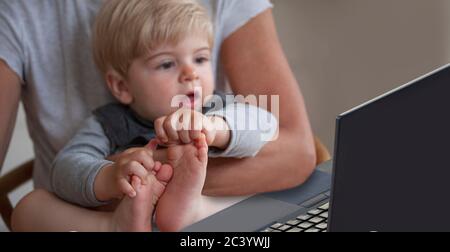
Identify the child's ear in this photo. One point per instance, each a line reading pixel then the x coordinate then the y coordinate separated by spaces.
pixel 118 87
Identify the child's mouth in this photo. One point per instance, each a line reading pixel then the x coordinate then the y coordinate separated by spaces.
pixel 193 99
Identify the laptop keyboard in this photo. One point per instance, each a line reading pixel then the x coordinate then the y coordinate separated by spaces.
pixel 315 220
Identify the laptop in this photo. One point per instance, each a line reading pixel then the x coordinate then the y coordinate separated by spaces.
pixel 390 172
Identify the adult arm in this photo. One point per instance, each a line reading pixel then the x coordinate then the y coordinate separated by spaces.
pixel 255 65
pixel 10 90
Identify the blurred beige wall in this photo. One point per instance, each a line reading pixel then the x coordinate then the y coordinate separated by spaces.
pixel 344 52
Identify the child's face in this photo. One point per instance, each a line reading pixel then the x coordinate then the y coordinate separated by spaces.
pixel 170 70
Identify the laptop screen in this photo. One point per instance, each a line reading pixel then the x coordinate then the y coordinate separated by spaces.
pixel 391 164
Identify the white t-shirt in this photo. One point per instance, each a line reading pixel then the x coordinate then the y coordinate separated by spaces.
pixel 47 43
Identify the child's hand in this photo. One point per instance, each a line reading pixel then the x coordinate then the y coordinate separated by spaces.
pixel 134 162
pixel 184 126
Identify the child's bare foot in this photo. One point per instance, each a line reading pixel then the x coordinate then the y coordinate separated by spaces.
pixel 135 214
pixel 180 203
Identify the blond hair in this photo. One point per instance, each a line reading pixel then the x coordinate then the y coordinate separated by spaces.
pixel 127 29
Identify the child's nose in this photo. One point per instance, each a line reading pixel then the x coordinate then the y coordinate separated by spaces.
pixel 188 75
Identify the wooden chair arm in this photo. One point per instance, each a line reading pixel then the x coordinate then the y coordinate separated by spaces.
pixel 322 153
pixel 8 183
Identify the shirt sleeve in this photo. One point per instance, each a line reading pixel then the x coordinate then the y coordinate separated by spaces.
pixel 78 163
pixel 11 43
pixel 251 128
pixel 233 14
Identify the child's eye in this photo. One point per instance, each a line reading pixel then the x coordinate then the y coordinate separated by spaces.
pixel 166 65
pixel 201 60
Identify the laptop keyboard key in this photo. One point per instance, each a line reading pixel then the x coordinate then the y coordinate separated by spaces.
pixel 284 227
pixel 305 225
pixel 293 222
pixel 325 206
pixel 304 217
pixel 295 229
pixel 322 225
pixel 315 212
pixel 316 220
pixel 276 225
pixel 312 230
pixel 324 215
